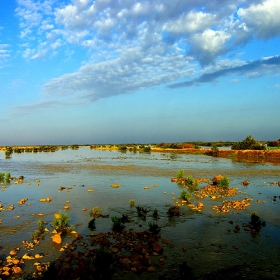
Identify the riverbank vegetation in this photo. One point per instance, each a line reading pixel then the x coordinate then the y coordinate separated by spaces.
pixel 249 148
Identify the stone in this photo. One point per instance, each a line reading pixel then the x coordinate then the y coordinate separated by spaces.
pixel 57 238
pixel 13 253
pixel 17 270
pixel 151 269
pixel 157 248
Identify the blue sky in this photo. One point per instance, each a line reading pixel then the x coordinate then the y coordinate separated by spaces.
pixel 127 71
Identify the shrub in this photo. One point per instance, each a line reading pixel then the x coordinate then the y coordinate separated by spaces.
pixel 249 143
pixel 147 149
pixel 214 150
pixel 60 222
pixel 38 233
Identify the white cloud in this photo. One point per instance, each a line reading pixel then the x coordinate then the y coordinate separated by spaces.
pixel 190 22
pixel 262 20
pixel 208 45
pixel 135 44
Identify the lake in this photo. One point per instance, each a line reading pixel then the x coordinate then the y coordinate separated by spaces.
pixel 208 238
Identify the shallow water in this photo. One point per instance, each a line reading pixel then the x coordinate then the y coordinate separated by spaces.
pixel 206 235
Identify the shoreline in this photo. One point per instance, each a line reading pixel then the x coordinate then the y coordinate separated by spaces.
pixel 270 156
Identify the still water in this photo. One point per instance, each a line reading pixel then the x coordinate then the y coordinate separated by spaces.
pixel 209 237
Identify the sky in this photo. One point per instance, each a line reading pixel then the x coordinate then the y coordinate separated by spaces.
pixel 131 71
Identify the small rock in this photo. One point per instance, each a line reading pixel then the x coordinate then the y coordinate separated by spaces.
pixel 57 238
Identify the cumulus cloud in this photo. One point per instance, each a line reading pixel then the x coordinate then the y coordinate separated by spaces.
pixel 136 44
pixel 119 76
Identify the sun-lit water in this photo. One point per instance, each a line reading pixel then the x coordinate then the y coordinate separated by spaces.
pixel 208 236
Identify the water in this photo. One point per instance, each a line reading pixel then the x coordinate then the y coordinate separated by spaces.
pixel 209 237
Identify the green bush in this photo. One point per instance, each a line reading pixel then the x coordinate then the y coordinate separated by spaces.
pixel 249 143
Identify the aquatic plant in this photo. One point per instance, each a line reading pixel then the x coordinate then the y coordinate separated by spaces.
pixel 141 212
pixel 223 182
pixel 131 202
pixel 38 233
pixel 95 211
pixel 173 211
pixel 191 183
pixel 186 195
pixel 8 152
pixel 180 174
pixel 124 218
pixel 118 224
pixel 214 150
pixel 155 214
pixel 60 222
pixel 7 176
pixel 91 224
pixel 154 228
